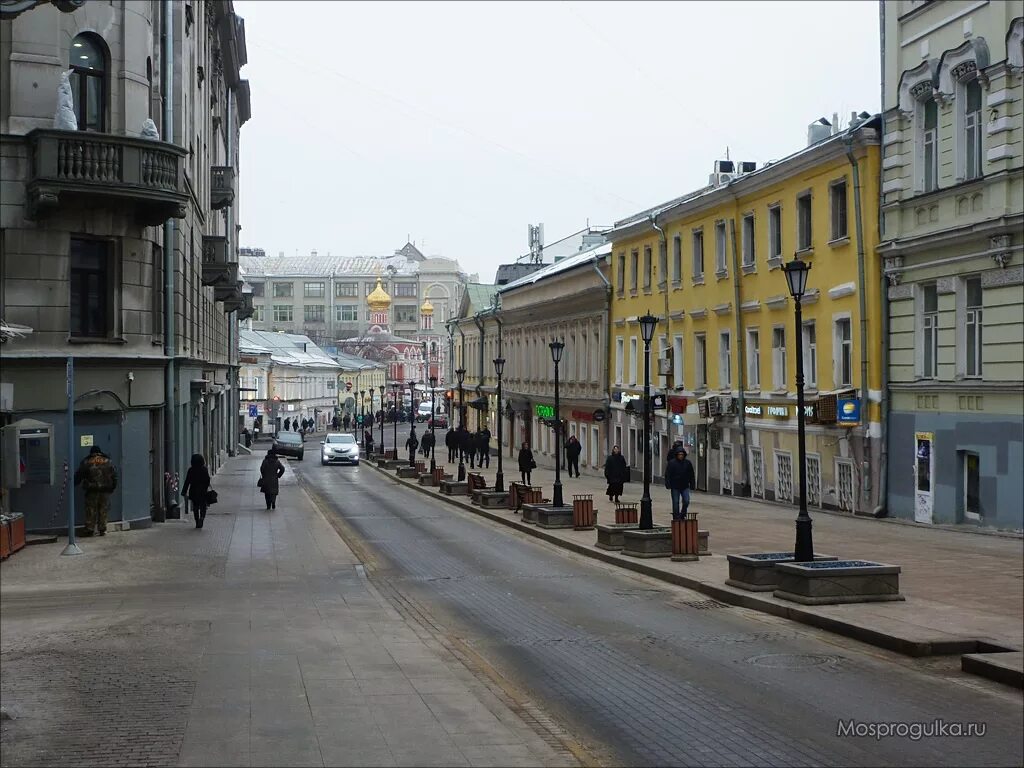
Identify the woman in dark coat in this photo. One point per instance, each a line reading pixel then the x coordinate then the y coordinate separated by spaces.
pixel 616 472
pixel 270 470
pixel 197 483
pixel 526 463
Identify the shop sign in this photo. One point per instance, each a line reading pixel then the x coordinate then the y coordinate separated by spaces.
pixel 753 410
pixel 582 416
pixel 657 401
pixel 599 415
pixel 677 404
pixel 544 411
pixel 848 411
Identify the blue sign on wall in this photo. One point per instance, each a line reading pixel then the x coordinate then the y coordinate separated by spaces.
pixel 848 410
pixel 253 411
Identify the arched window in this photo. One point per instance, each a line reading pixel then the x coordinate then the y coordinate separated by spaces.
pixel 89 82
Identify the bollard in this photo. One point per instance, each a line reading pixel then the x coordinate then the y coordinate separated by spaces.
pixel 684 538
pixel 583 511
pixel 513 496
pixel 438 475
pixel 627 513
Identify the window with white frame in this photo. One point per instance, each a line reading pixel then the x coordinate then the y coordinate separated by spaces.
pixel 810 339
pixel 258 313
pixel 803 222
pixel 313 290
pixel 283 313
pixel 972 130
pixel 837 209
pixel 748 240
pixel 663 352
pixel 677 259
pixel 721 259
pixel 619 347
pixel 779 379
pixel 700 361
pixel 974 325
pixel 698 254
pixel 346 313
pixel 724 359
pixel 632 359
pixel 775 232
pixel 843 351
pixel 677 362
pixel 662 264
pixel 930 145
pixel 753 358
pixel 634 270
pixel 620 277
pixel 648 266
pixel 928 333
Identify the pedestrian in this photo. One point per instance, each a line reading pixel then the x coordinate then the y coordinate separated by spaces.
pixel 346 421
pixel 451 441
pixel 466 447
pixel 334 423
pixel 680 479
pixel 368 439
pixel 427 444
pixel 98 475
pixel 411 445
pixel 572 455
pixel 287 424
pixel 270 470
pixel 616 472
pixel 526 463
pixel 246 437
pixel 197 483
pixel 483 447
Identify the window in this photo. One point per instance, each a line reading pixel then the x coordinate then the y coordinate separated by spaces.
pixel 677 259
pixel 774 232
pixel 698 254
pixel 748 240
pixel 803 222
pixel 721 259
pixel 406 313
pixel 619 346
pixel 810 355
pixel 620 281
pixel 632 360
pixel 647 268
pixel 972 485
pixel 700 360
pixel 972 129
pixel 346 313
pixel 258 290
pixel 282 313
pixel 89 82
pixel 662 264
pixel 90 289
pixel 779 358
pixel 843 353
pixel 257 313
pixel 724 360
pixel 929 143
pixel 634 266
pixel 929 339
pixel 753 358
pixel 282 290
pixel 677 362
pixel 346 290
pixel 974 326
pixel 837 206
pixel 406 290
pixel 313 290
pixel 313 313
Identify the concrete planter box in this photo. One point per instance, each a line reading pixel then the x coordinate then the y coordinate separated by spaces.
pixel 656 542
pixel 838 581
pixel 408 471
pixel 427 479
pixel 612 535
pixel 530 513
pixel 554 517
pixel 755 571
pixel 453 488
pixel 490 499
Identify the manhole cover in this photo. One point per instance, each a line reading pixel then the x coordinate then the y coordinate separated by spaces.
pixel 793 660
pixel 701 605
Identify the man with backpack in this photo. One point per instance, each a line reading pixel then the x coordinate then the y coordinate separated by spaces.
pixel 99 477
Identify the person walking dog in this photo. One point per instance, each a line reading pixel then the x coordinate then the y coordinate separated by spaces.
pixel 270 471
pixel 196 486
pixel 616 472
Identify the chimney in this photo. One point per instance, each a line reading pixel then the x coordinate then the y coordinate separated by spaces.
pixel 819 130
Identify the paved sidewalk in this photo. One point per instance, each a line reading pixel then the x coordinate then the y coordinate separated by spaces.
pixel 255 641
pixel 958 584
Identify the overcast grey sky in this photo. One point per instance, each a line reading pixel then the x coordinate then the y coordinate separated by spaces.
pixel 459 123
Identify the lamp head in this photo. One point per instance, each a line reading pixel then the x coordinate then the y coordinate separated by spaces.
pixel 556 351
pixel 499 366
pixel 647 323
pixel 460 375
pixel 433 382
pixel 796 277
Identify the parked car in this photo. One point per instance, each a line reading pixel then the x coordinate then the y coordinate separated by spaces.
pixel 440 421
pixel 339 446
pixel 423 411
pixel 289 444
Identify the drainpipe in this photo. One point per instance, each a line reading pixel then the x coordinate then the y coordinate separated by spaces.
pixel 862 306
pixel 741 384
pixel 882 510
pixel 607 367
pixel 480 381
pixel 170 373
pixel 499 411
pixel 668 317
pixel 233 400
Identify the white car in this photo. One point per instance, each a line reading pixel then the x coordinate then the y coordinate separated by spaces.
pixel 339 446
pixel 423 411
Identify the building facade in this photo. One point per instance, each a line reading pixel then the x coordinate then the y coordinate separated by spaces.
pixel 117 238
pixel 952 201
pixel 709 265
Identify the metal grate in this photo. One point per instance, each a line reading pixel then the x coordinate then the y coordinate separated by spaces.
pixel 702 605
pixel 757 472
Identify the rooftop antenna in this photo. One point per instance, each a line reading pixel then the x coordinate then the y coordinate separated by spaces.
pixel 727 153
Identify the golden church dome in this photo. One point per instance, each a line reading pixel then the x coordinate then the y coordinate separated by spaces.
pixel 378 300
pixel 427 308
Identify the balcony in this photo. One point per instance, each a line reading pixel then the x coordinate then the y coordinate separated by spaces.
pixel 231 294
pixel 222 186
pixel 245 311
pixel 219 269
pixel 97 169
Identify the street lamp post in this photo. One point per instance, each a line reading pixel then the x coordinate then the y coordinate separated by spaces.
pixel 556 496
pixel 382 388
pixel 499 479
pixel 362 417
pixel 796 277
pixel 647 323
pixel 412 402
pixel 395 386
pixel 433 418
pixel 460 375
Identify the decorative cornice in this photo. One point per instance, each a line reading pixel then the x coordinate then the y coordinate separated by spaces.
pixel 750 306
pixel 722 309
pixel 699 314
pixel 10 9
pixel 900 292
pixel 1001 245
pixel 776 302
pixel 844 289
pixel 1007 276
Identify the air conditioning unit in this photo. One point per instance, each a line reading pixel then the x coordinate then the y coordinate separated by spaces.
pixel 665 366
pixel 826 409
pixel 715 406
pixel 746 166
pixel 727 405
pixel 702 408
pixel 725 166
pixel 718 179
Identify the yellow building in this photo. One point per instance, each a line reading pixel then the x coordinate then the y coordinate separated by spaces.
pixel 709 264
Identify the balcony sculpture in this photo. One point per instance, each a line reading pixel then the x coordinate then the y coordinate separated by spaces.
pixel 219 269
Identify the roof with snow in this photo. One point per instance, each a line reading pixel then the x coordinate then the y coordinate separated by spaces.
pixel 562 265
pixel 285 349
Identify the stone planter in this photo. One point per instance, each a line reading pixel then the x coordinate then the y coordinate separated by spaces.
pixel 17 526
pixel 530 513
pixel 490 499
pixel 656 542
pixel 408 472
pixel 453 488
pixel 554 517
pixel 612 536
pixel 838 581
pixel 755 571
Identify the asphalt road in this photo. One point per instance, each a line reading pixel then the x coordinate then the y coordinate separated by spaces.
pixel 644 673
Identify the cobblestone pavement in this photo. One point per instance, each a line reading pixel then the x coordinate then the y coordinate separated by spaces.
pixel 255 641
pixel 646 673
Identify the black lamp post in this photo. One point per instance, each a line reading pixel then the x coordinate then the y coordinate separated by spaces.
pixel 556 496
pixel 433 418
pixel 796 276
pixel 362 417
pixel 395 386
pixel 647 324
pixel 499 479
pixel 412 402
pixel 382 388
pixel 460 376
